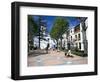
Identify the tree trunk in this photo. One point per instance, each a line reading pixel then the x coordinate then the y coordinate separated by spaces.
pixel 61 44
pixel 57 44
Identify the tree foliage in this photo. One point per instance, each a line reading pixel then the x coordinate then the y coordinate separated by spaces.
pixel 60 26
pixel 32 26
pixel 32 31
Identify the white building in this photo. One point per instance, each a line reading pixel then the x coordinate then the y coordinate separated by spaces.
pixel 43 42
pixel 75 37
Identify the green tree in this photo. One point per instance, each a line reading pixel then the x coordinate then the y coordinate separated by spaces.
pixel 60 26
pixel 32 26
pixel 32 30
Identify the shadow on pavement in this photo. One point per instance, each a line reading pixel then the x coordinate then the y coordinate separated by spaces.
pixel 38 52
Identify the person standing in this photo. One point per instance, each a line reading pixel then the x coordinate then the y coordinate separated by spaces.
pixel 48 45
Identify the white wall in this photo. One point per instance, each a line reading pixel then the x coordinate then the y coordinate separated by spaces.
pixel 5 40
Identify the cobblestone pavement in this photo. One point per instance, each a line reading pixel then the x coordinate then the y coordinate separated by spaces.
pixel 55 58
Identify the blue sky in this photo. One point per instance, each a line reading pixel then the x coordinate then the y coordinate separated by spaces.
pixel 50 20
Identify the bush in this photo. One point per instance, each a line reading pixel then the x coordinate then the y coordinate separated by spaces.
pixel 79 53
pixel 76 49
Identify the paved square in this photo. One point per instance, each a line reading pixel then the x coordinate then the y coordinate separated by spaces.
pixel 54 58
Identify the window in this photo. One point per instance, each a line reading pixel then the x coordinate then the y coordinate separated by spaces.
pixel 71 38
pixel 79 45
pixel 78 36
pixel 75 37
pixel 71 31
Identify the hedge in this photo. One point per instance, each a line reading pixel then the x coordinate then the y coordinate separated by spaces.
pixel 79 53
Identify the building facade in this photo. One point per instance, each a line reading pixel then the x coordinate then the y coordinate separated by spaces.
pixel 76 37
